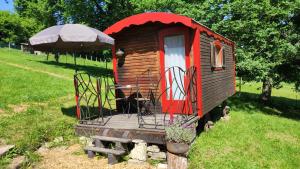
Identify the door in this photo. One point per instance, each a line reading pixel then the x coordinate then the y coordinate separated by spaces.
pixel 174 61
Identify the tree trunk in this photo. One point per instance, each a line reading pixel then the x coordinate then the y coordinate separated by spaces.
pixel 176 161
pixel 266 90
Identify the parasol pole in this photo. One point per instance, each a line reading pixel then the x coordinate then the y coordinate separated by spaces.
pixel 106 68
pixel 75 62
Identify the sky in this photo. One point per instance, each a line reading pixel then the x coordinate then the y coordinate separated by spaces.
pixel 7 6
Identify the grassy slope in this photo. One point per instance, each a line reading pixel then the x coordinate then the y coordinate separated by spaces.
pixel 18 85
pixel 65 67
pixel 255 137
pixel 47 99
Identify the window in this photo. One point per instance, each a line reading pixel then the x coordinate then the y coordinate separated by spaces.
pixel 174 57
pixel 217 55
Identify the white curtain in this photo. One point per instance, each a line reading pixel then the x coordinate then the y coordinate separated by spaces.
pixel 175 56
pixel 218 57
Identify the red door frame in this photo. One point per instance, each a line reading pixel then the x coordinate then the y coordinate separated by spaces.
pixel 197 63
pixel 166 104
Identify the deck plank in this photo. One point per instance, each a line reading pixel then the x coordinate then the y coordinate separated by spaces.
pixel 104 150
pixel 130 121
pixel 112 139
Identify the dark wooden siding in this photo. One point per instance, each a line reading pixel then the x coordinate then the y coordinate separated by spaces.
pixel 141 47
pixel 217 85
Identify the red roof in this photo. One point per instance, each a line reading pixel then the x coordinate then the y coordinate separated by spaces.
pixel 163 17
pixel 140 19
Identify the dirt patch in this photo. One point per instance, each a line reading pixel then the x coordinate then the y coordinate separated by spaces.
pixel 42 104
pixel 19 108
pixel 2 141
pixel 2 112
pixel 253 148
pixel 283 137
pixel 227 150
pixel 73 157
pixel 210 154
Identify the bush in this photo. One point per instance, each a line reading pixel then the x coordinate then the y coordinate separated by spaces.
pixel 176 133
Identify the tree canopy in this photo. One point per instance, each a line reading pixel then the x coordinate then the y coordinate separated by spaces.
pixel 266 32
pixel 14 28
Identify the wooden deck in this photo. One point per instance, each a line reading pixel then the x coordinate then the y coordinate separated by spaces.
pixel 130 121
pixel 126 126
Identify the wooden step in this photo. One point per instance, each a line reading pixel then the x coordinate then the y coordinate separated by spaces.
pixel 105 150
pixel 112 139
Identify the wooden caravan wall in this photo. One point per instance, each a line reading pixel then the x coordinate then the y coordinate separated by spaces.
pixel 140 44
pixel 217 85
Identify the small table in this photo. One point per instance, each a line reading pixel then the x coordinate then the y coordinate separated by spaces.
pixel 125 98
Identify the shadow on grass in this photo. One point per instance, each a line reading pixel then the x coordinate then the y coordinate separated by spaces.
pixel 70 111
pixel 280 106
pixel 249 103
pixel 214 116
pixel 92 70
pixel 246 102
pixel 93 112
pixel 87 113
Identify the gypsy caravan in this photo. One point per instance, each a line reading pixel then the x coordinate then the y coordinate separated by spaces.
pixel 166 68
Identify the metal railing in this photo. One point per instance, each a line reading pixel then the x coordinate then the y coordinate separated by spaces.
pixel 94 99
pixel 177 83
pixel 160 99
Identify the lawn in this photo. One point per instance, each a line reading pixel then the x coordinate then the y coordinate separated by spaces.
pixel 256 136
pixel 37 99
pixel 37 105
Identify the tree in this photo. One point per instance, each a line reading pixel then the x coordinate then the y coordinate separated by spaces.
pixel 45 12
pixel 97 13
pixel 14 28
pixel 265 35
pixel 141 6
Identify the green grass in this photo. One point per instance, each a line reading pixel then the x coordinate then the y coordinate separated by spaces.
pixel 19 85
pixel 256 136
pixel 65 67
pixel 43 92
